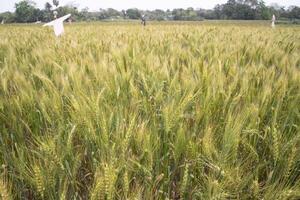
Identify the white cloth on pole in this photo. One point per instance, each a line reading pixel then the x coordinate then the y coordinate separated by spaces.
pixel 273 21
pixel 58 25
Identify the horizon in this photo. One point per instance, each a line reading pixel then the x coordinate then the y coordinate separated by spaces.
pixel 155 4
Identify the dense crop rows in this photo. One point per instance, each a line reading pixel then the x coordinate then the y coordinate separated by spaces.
pixel 168 111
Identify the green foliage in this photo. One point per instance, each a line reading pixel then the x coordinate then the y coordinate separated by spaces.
pixel 48 7
pixel 133 13
pixel 55 3
pixel 25 11
pixel 233 9
pixel 7 17
pixel 294 12
pixel 263 11
pixel 169 111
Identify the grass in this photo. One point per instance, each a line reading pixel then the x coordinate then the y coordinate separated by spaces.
pixel 170 111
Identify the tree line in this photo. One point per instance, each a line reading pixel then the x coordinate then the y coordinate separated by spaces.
pixel 27 12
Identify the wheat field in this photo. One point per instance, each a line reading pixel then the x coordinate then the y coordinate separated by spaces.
pixel 169 111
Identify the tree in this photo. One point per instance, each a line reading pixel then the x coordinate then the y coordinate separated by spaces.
pixel 251 3
pixel 70 8
pixel 159 15
pixel 277 10
pixel 25 11
pixel 228 9
pixel 218 11
pixel 133 13
pixel 112 13
pixel 232 9
pixel 47 14
pixel 294 12
pixel 244 12
pixel 7 17
pixel 240 9
pixel 39 15
pixel 191 14
pixel 48 6
pixel 84 14
pixel 102 14
pixel 56 3
pixel 124 14
pixel 262 11
pixel 178 14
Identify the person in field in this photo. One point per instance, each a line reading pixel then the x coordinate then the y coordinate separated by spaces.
pixel 273 21
pixel 143 20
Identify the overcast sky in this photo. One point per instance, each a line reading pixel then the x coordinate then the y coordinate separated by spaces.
pixel 8 5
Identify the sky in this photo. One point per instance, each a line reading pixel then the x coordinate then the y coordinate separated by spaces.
pixel 8 5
